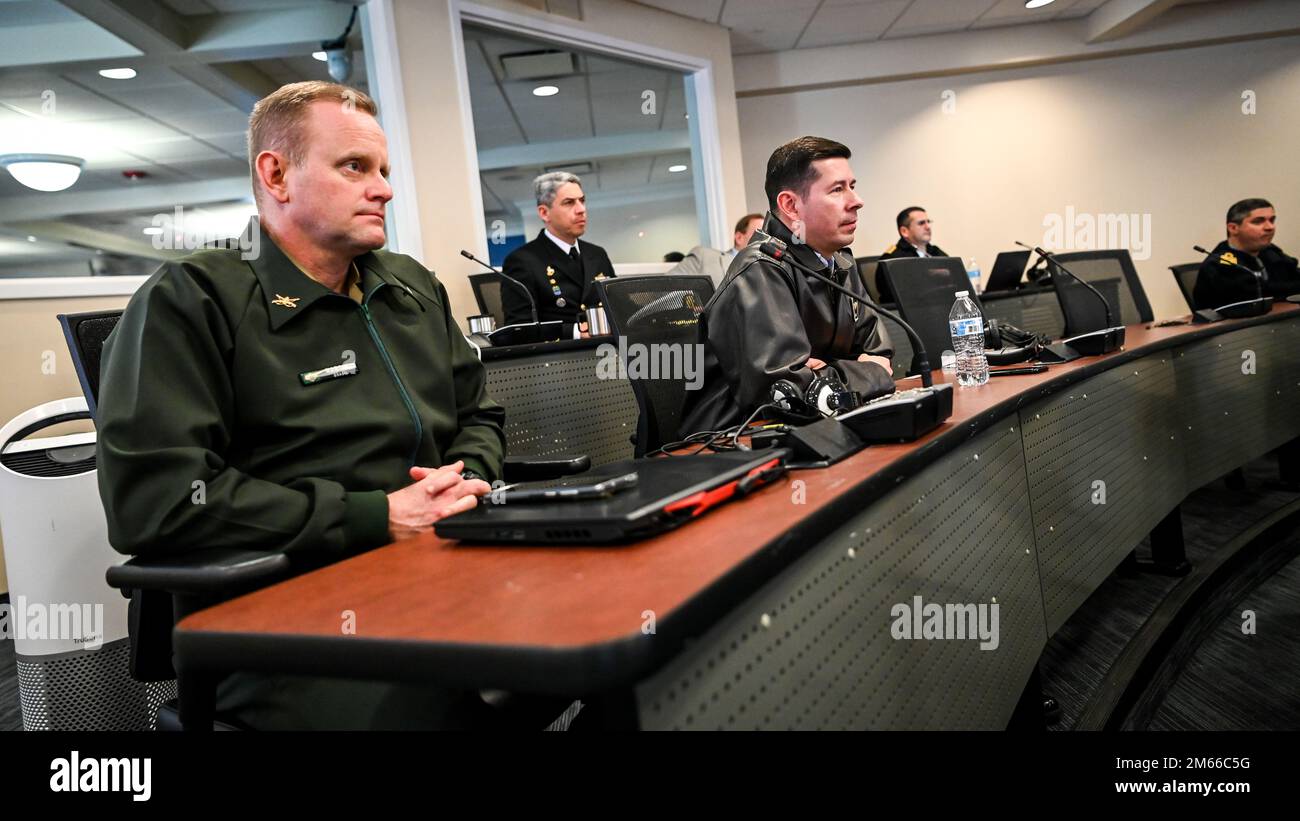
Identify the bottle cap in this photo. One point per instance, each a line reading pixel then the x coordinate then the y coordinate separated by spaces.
pixel 963 293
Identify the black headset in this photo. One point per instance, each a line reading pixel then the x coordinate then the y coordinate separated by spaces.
pixel 1005 344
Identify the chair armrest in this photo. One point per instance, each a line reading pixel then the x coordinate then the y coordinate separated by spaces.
pixel 214 571
pixel 536 468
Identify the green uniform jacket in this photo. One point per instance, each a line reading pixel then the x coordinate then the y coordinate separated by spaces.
pixel 209 435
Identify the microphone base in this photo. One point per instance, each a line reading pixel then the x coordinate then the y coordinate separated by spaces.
pixel 901 417
pixel 527 333
pixel 1237 310
pixel 1096 343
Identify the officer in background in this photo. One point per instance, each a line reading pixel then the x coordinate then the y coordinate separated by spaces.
pixel 711 261
pixel 1251 225
pixel 914 231
pixel 559 269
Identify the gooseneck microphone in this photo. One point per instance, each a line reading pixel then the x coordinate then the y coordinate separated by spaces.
pixel 776 249
pixel 1110 320
pixel 532 303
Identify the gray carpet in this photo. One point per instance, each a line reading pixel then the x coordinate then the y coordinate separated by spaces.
pixel 1079 655
pixel 1236 681
pixel 11 717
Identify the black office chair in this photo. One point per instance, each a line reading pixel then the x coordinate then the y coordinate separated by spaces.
pixel 1032 309
pixel 657 309
pixel 163 590
pixel 926 289
pixel 867 273
pixel 901 361
pixel 1185 276
pixel 487 293
pixel 1112 273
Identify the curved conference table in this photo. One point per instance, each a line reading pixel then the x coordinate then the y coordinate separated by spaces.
pixel 775 611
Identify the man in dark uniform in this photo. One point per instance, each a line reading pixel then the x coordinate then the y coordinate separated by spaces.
pixel 311 394
pixel 914 231
pixel 558 268
pixel 769 321
pixel 1251 225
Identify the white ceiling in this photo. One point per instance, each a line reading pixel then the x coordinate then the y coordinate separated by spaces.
pixel 776 25
pixel 182 119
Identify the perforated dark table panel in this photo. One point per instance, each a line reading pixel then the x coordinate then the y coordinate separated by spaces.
pixel 1231 414
pixel 814 650
pixel 1105 464
pixel 556 403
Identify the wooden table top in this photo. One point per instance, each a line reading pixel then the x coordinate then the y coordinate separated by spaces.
pixel 429 590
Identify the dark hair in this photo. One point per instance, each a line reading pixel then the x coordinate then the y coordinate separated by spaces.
pixel 905 216
pixel 790 166
pixel 674 256
pixel 745 221
pixel 1240 210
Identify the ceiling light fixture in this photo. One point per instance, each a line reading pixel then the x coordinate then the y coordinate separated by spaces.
pixel 153 231
pixel 320 55
pixel 1037 4
pixel 676 169
pixel 117 73
pixel 546 91
pixel 43 172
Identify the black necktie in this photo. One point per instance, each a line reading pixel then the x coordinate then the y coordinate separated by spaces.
pixel 573 255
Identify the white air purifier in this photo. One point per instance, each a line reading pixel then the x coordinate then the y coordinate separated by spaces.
pixel 68 626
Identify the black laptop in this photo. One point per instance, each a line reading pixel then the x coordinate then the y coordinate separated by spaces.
pixel 669 491
pixel 1008 268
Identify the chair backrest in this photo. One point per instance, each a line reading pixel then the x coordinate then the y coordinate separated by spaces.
pixel 560 400
pixel 902 359
pixel 867 273
pixel 925 289
pixel 1110 272
pixel 487 293
pixel 1185 276
pixel 652 311
pixel 1031 309
pixel 86 334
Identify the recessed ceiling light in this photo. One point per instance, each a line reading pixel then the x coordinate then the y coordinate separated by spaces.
pixel 675 169
pixel 545 91
pixel 320 55
pixel 1036 4
pixel 117 73
pixel 31 238
pixel 153 231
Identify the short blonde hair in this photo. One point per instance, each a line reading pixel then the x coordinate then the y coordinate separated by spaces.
pixel 277 119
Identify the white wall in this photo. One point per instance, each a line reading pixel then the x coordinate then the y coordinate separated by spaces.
pixel 1159 134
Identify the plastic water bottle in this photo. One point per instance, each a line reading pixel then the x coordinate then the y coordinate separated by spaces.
pixel 973 271
pixel 967 328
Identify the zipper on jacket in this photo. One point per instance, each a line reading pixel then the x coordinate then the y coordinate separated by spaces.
pixel 392 371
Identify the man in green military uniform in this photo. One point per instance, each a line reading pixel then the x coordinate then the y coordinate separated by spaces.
pixel 309 393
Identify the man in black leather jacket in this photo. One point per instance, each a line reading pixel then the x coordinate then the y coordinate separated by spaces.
pixel 769 321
